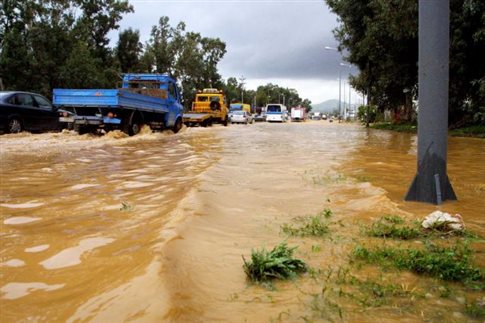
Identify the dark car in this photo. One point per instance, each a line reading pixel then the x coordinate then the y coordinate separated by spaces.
pixel 21 111
pixel 259 117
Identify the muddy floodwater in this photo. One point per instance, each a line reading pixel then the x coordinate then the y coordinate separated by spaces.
pixel 153 227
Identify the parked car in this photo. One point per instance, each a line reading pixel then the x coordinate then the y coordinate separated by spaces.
pixel 259 117
pixel 241 117
pixel 21 111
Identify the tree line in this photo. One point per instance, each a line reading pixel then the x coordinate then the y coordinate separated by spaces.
pixel 46 44
pixel 380 37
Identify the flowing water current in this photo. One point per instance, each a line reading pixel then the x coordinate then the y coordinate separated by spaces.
pixel 153 227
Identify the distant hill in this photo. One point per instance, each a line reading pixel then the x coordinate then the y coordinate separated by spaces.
pixel 326 106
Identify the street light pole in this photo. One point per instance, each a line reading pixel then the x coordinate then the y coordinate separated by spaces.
pixel 339 92
pixel 339 83
pixel 241 79
pixel 345 110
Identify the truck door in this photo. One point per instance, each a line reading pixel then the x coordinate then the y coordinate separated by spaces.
pixel 172 103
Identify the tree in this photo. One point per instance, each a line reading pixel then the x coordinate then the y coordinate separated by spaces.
pixel 380 37
pixel 213 50
pixel 97 19
pixel 231 89
pixel 81 69
pixel 40 38
pixel 128 50
pixel 188 56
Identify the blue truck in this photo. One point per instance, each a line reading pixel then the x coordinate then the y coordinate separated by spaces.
pixel 143 99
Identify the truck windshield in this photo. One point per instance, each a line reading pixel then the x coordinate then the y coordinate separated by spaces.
pixel 204 98
pixel 273 108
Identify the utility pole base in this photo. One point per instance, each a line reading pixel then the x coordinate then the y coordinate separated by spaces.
pixel 431 184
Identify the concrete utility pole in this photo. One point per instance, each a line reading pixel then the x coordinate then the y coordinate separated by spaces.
pixel 431 183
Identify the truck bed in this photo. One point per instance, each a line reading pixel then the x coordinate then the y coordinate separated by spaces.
pixel 118 98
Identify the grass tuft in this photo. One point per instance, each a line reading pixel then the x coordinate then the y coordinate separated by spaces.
pixel 278 263
pixel 476 309
pixel 126 207
pixel 446 263
pixel 314 226
pixel 392 226
pixel 389 227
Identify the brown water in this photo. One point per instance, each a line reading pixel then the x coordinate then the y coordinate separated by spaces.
pixel 152 228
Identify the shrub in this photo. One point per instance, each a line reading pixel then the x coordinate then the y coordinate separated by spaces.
pixel 277 263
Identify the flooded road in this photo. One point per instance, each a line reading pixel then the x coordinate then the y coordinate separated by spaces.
pixel 152 228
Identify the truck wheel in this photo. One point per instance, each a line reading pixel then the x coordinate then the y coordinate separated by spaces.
pixel 131 129
pixel 14 125
pixel 135 129
pixel 205 123
pixel 81 130
pixel 177 126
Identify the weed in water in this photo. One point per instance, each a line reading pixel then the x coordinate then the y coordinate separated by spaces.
pixel 446 263
pixel 392 227
pixel 324 308
pixel 370 293
pixel 277 263
pixel 362 178
pixel 444 291
pixel 126 207
pixel 311 226
pixel 327 213
pixel 476 309
pixel 387 227
pixel 396 219
pixel 316 248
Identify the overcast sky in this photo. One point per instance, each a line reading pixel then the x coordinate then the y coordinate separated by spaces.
pixel 267 41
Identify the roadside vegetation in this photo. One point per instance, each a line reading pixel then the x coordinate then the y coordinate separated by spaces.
pixel 277 263
pixel 370 276
pixel 452 263
pixel 477 131
pixel 386 46
pixel 395 227
pixel 77 52
pixel 316 225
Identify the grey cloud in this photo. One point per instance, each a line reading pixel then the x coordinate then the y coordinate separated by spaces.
pixel 265 39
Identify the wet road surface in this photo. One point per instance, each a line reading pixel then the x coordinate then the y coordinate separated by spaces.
pixel 152 228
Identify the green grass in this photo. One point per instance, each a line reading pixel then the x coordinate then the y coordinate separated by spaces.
pixel 392 226
pixel 395 127
pixel 476 309
pixel 393 219
pixel 278 263
pixel 314 226
pixel 370 293
pixel 446 263
pixel 471 131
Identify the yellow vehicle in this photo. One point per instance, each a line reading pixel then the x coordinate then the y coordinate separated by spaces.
pixel 209 106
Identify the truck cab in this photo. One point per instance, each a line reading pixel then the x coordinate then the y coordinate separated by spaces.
pixel 209 106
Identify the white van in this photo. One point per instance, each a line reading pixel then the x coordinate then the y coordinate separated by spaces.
pixel 276 112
